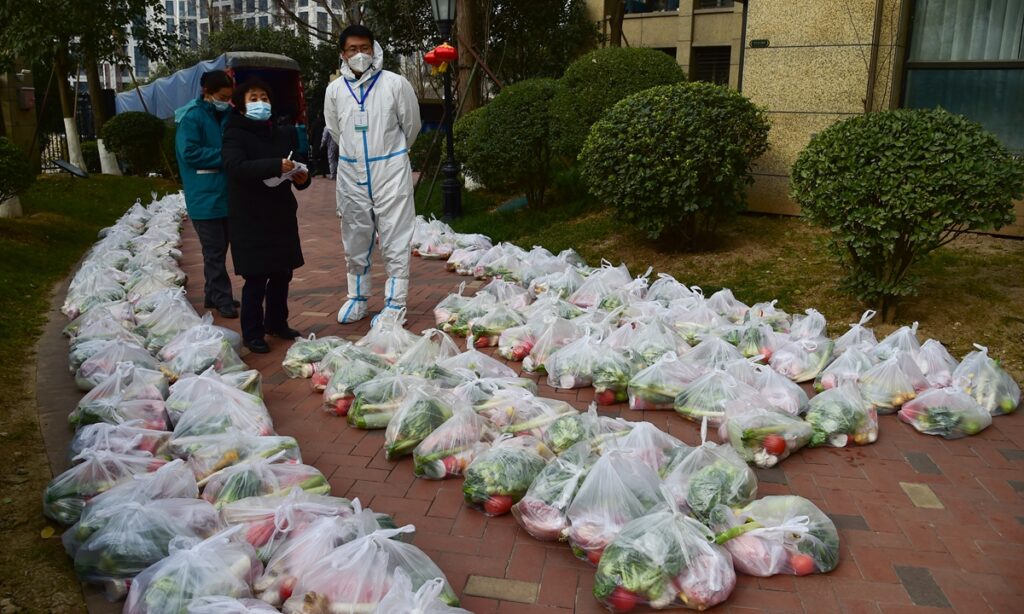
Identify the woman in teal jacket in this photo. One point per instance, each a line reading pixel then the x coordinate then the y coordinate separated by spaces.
pixel 197 144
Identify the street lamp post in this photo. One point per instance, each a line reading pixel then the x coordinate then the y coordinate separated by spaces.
pixel 451 191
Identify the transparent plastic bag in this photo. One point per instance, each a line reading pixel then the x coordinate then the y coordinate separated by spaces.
pixel 625 295
pixel 339 358
pixel 475 307
pixel 561 284
pixel 936 364
pixel 208 454
pixel 618 488
pixel 549 305
pixel 106 329
pixel 480 392
pixel 401 599
pixel 356 576
pixel 841 416
pixel 985 380
pixel 726 305
pixel 802 359
pixel 462 261
pixel 171 315
pixel 173 480
pixel 575 427
pixel 117 311
pixel 448 308
pixel 542 510
pixel 126 438
pixel 97 471
pixel 81 352
pixel 657 386
pixel 762 435
pixel 781 393
pixel 664 560
pixel 501 475
pixel 758 339
pixel 92 286
pixel 612 372
pixel 557 333
pixel 771 315
pixel 572 366
pixel 948 412
pixel 808 326
pixel 779 535
pixel 103 363
pixel 711 353
pixel 388 339
pixel 378 399
pixel 600 284
pixel 479 363
pixel 706 396
pixel 486 330
pixel 666 289
pixel 517 412
pixel 452 446
pixel 654 340
pixel 891 383
pixel 656 448
pixel 304 353
pixel 692 319
pixel 517 343
pixel 340 391
pixel 217 566
pixel 228 605
pixel 199 348
pixel 859 336
pixel 131 394
pixel 194 389
pixel 903 339
pixel 422 411
pixel 848 367
pixel 710 475
pixel 430 347
pixel 136 535
pixel 229 411
pixel 506 293
pixel 262 477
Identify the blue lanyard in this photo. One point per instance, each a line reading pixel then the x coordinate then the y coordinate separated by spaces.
pixel 362 100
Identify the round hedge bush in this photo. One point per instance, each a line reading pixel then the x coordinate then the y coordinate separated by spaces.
pixel 421 156
pixel 136 138
pixel 599 79
pixel 91 154
pixel 16 173
pixel 506 144
pixel 675 159
pixel 892 186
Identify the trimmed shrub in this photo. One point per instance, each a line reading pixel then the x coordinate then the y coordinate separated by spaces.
pixel 506 144
pixel 599 79
pixel 91 153
pixel 891 187
pixel 169 157
pixel 137 139
pixel 16 173
pixel 674 160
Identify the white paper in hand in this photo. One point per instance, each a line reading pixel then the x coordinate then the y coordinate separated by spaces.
pixel 273 182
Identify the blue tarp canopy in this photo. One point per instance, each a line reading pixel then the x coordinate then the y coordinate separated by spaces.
pixel 166 94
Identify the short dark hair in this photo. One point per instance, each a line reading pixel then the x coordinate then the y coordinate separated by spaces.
pixel 252 83
pixel 354 30
pixel 215 80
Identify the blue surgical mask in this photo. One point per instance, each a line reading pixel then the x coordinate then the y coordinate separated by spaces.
pixel 220 105
pixel 259 111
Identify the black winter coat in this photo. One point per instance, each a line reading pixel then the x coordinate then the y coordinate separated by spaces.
pixel 262 226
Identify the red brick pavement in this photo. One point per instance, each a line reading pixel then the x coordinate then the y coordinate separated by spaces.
pixel 894 556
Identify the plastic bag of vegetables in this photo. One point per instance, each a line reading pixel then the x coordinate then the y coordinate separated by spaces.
pixel 517 412
pixel 840 416
pixel 304 353
pixel 625 295
pixel 600 284
pixel 485 331
pixel 93 286
pixel 666 289
pixel 779 535
pixel 808 326
pixel 430 347
pixel 217 566
pixel 479 363
pixel 103 363
pixel 705 397
pixel 657 386
pixel 542 510
pixel 803 358
pixel 402 599
pixel 448 308
pixel 388 339
pixel 125 438
pixel 118 311
pixel 262 477
pixel 936 364
pixel 462 261
pixel 339 358
pixel 848 367
pixel 726 305
pixel 650 444
pixel 711 475
pixel 423 410
pixel 191 389
pixel 985 380
pixel 231 410
pixel 757 339
pixel 618 488
pixel 137 534
pixel 560 284
pixel 556 333
pixel 355 576
pixel 654 340
pixel 501 475
pixel 340 391
pixel 572 428
pixel 664 559
pixel 228 605
pixel 147 413
pixel 173 480
pixel 172 315
pixel 550 305
pixel 693 319
pixel 208 454
pixel 97 471
pixel 948 412
pixel 903 339
pixel 517 343
pixel 771 315
pixel 480 392
pixel 781 393
pixel 572 366
pixel 859 336
pixel 891 383
pixel 451 447
pixel 377 400
pixel 81 352
pixel 762 435
pixel 304 550
pixel 197 349
pixel 611 375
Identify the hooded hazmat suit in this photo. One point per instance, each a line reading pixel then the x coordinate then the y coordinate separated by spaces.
pixel 374 119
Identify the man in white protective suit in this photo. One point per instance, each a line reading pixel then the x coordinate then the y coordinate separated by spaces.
pixel 374 118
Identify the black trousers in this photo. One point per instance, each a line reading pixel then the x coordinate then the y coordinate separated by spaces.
pixel 264 304
pixel 213 236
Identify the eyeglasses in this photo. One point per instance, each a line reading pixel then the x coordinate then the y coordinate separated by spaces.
pixel 361 49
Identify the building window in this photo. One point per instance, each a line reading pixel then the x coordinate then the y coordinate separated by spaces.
pixel 202 8
pixel 169 7
pixel 264 21
pixel 321 22
pixel 714 4
pixel 967 56
pixel 238 6
pixel 263 5
pixel 711 64
pixel 250 22
pixel 250 6
pixel 141 64
pixel 193 34
pixel 303 3
pixel 171 29
pixel 651 6
pixel 191 8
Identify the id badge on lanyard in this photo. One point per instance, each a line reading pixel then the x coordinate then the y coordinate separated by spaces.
pixel 362 121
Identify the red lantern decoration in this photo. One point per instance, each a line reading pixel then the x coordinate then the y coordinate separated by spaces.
pixel 446 53
pixel 431 58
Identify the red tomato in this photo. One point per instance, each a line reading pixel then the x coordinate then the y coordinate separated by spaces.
pixel 319 380
pixel 622 600
pixel 496 505
pixel 594 556
pixel 519 352
pixel 482 342
pixel 286 589
pixel 774 444
pixel 606 397
pixel 802 564
pixel 452 466
pixel 341 406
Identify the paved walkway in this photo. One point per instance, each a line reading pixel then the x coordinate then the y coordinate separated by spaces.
pixel 923 522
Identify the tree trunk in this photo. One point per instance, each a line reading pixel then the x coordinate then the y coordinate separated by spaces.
pixel 614 12
pixel 466 28
pixel 108 161
pixel 67 107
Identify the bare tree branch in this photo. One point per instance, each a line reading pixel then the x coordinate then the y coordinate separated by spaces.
pixel 321 35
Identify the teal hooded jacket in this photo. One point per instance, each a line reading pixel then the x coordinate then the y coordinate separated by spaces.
pixel 197 144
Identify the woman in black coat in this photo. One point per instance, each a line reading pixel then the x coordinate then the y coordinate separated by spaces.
pixel 264 232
